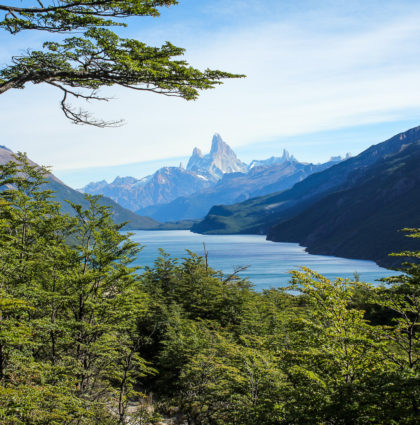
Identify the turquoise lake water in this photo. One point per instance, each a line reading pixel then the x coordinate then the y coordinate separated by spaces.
pixel 269 262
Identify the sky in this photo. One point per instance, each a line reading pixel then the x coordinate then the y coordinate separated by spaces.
pixel 323 78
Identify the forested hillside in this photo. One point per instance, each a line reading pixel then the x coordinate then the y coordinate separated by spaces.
pixel 365 220
pixel 85 338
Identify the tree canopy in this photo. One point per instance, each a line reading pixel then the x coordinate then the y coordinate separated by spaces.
pixel 81 64
pixel 87 338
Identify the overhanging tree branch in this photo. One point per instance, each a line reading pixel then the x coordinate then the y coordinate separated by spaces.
pixel 100 58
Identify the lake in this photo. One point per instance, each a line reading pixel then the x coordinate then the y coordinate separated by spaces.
pixel 269 262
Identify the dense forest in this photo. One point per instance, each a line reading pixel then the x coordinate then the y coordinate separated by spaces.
pixel 86 338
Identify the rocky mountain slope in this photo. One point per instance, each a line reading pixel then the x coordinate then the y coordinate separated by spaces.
pixel 170 183
pixel 383 175
pixel 165 185
pixel 364 220
pixel 64 192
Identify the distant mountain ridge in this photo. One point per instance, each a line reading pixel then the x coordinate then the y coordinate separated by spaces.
pixel 286 157
pixel 342 210
pixel 175 193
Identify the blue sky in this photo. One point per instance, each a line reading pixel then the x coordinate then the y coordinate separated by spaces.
pixel 323 78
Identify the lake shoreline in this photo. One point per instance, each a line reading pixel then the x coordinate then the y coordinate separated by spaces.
pixel 270 262
pixel 309 250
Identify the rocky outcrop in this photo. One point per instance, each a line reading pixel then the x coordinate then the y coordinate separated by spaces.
pixel 165 185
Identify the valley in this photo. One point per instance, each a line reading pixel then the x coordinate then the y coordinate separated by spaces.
pixel 352 207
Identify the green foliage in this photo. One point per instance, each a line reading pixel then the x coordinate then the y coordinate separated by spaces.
pixel 98 57
pixel 202 292
pixel 63 16
pixel 332 355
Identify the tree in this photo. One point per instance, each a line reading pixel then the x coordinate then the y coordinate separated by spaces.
pixel 31 253
pixel 401 337
pixel 330 357
pixel 79 65
pixel 103 302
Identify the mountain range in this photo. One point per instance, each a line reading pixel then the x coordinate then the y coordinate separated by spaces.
pixel 175 193
pixel 235 187
pixel 169 183
pixel 352 209
pixel 163 186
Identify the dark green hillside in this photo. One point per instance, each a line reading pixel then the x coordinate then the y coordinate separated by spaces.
pixel 258 215
pixel 135 222
pixel 64 193
pixel 363 221
pixel 252 216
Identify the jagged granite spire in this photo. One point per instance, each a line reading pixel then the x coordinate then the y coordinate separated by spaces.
pixel 217 144
pixel 221 160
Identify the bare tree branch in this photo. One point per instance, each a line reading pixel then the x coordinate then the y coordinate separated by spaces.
pixel 81 116
pixel 234 275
